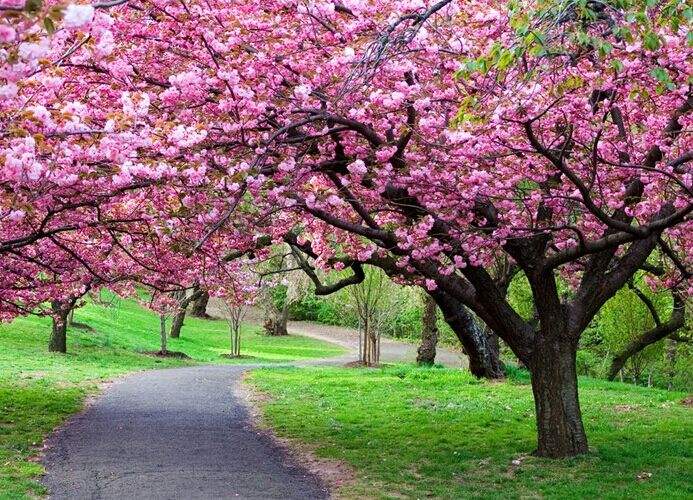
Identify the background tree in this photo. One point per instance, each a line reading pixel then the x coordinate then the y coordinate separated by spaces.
pixel 199 306
pixel 426 353
pixel 184 299
pixel 235 312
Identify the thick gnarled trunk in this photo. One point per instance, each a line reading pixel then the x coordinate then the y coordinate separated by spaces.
pixel 199 308
pixel 177 323
pixel 554 384
pixel 184 301
pixel 277 319
pixel 481 348
pixel 58 340
pixel 426 353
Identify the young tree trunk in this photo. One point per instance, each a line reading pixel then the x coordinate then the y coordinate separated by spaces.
pixel 426 353
pixel 199 308
pixel 58 340
pixel 235 341
pixel 481 349
pixel 554 384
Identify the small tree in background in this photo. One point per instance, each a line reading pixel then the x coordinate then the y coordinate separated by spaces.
pixel 235 312
pixel 162 334
pixel 237 297
pixel 375 301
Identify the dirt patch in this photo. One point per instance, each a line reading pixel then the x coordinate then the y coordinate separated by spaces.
pixel 625 408
pixel 167 354
pixel 687 401
pixel 360 364
pixel 82 326
pixel 233 356
pixel 334 473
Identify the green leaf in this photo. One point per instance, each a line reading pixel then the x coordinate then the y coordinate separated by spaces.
pixel 617 65
pixel 33 6
pixel 48 24
pixel 651 41
pixel 660 74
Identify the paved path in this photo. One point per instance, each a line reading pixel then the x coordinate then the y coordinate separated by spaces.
pixel 182 433
pixel 176 433
pixel 391 350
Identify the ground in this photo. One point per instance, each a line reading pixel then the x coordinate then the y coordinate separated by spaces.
pixel 402 431
pixel 416 432
pixel 39 390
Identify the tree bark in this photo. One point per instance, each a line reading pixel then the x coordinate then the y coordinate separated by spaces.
pixel 426 353
pixel 183 303
pixel 554 384
pixel 199 308
pixel 481 349
pixel 661 331
pixel 276 324
pixel 177 323
pixel 162 334
pixel 179 317
pixel 58 340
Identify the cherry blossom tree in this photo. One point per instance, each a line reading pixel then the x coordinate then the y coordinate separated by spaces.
pixel 440 141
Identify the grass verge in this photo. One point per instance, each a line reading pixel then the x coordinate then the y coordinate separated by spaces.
pixel 39 390
pixel 431 432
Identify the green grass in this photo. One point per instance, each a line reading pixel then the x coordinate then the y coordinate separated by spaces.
pixel 39 390
pixel 419 432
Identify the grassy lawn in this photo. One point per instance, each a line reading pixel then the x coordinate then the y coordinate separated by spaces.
pixel 418 432
pixel 39 390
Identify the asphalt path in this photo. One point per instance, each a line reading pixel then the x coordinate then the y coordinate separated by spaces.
pixel 172 434
pixel 184 433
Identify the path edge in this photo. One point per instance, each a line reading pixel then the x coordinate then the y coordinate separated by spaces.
pixel 335 474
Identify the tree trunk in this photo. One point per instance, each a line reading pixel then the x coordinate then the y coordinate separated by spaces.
pixel 554 384
pixel 426 353
pixel 276 324
pixel 58 340
pixel 199 308
pixel 481 348
pixel 177 323
pixel 162 333
pixel 179 317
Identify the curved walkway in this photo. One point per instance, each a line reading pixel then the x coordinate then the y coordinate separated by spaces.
pixel 176 433
pixel 183 433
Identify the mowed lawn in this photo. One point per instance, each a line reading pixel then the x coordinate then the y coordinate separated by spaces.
pixel 430 432
pixel 39 390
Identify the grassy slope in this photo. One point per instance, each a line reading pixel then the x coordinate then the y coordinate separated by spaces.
pixel 432 432
pixel 39 390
